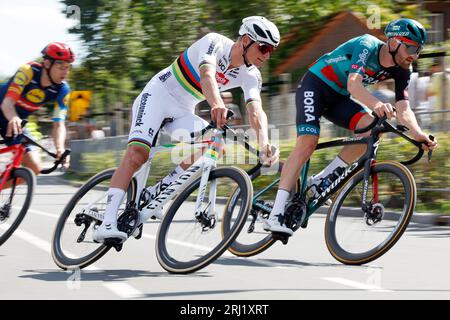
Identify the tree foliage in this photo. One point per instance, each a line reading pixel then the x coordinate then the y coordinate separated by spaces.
pixel 128 41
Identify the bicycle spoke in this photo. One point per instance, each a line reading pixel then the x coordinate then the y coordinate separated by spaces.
pixel 357 231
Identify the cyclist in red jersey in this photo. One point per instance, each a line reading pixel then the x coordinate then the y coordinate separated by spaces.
pixel 33 86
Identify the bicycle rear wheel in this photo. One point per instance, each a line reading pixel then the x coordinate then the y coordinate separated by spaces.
pixel 253 239
pixel 72 245
pixel 354 237
pixel 185 243
pixel 15 201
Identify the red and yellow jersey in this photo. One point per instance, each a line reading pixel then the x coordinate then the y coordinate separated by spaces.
pixel 26 90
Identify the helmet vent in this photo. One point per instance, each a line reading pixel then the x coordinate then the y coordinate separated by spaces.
pixel 259 31
pixel 422 33
pixel 271 37
pixel 411 29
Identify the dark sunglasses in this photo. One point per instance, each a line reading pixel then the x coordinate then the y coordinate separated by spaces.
pixel 411 49
pixel 264 48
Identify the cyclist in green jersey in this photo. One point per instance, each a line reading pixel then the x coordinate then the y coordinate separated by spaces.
pixel 334 87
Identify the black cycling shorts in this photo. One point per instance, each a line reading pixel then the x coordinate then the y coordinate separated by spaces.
pixel 314 99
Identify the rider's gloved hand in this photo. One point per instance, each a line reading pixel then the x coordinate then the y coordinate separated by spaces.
pixel 382 109
pixel 269 155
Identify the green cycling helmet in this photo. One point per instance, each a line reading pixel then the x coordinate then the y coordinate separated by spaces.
pixel 407 30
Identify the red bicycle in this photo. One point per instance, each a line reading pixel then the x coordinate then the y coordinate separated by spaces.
pixel 17 185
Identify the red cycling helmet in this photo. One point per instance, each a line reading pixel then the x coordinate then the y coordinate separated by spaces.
pixel 58 51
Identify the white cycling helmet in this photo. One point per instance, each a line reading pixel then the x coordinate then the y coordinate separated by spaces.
pixel 261 30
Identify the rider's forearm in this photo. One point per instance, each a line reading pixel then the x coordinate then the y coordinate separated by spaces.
pixel 359 92
pixel 210 88
pixel 59 135
pixel 8 108
pixel 406 117
pixel 258 121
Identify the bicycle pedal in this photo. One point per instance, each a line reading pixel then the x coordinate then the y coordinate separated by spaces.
pixel 116 243
pixel 304 224
pixel 118 247
pixel 137 234
pixel 281 236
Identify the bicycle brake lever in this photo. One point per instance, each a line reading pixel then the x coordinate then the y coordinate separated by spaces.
pixel 430 152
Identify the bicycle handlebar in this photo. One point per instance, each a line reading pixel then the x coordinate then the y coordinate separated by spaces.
pixel 376 120
pixel 387 127
pixel 57 162
pixel 211 125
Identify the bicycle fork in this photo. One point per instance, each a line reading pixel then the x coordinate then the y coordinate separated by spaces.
pixel 373 211
pixel 209 219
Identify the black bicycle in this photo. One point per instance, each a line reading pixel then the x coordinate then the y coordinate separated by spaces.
pixel 373 203
pixel 17 185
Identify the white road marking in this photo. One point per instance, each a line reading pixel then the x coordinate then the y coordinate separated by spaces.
pixel 122 290
pixel 357 285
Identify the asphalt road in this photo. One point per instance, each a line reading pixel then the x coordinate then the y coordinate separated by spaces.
pixel 416 268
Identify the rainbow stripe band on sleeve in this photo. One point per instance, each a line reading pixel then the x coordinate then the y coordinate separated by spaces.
pixel 187 77
pixel 140 143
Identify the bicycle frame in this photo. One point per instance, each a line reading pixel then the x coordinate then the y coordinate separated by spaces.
pixel 200 168
pixel 18 151
pixel 365 162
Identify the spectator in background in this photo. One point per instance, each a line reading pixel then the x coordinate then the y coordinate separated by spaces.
pixel 227 98
pixel 435 91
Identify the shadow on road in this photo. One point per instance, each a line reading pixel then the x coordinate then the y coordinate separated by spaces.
pixel 277 263
pixel 99 275
pixel 211 293
pixel 428 231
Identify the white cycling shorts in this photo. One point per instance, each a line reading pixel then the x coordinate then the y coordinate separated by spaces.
pixel 151 108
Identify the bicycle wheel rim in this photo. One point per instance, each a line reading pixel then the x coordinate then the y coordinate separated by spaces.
pixel 386 232
pixel 185 251
pixel 23 194
pixel 65 249
pixel 241 246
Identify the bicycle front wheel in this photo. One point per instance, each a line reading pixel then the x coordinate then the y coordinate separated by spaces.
pixel 72 245
pixel 15 201
pixel 186 243
pixel 355 237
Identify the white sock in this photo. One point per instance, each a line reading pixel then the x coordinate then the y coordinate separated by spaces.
pixel 174 175
pixel 336 163
pixel 280 202
pixel 115 197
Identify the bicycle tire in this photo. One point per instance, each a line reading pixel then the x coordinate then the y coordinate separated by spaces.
pixel 30 180
pixel 248 250
pixel 171 264
pixel 58 255
pixel 349 258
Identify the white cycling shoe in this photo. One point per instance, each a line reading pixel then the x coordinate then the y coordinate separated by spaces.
pixel 108 231
pixel 275 224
